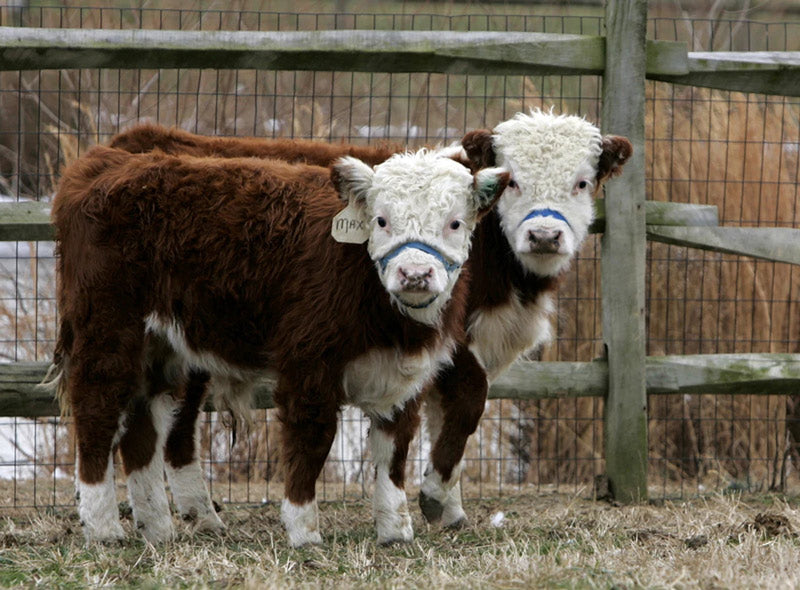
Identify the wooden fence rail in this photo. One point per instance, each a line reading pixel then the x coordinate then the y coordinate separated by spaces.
pixel 748 374
pixel 485 53
pixel 624 57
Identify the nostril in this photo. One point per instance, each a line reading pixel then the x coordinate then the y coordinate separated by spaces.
pixel 416 273
pixel 414 277
pixel 545 241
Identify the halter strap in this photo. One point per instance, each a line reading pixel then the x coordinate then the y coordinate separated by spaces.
pixel 449 265
pixel 417 305
pixel 545 213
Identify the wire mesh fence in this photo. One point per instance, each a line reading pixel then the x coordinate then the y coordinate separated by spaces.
pixel 736 151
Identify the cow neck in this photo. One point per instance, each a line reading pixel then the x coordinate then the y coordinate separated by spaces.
pixel 497 274
pixel 367 319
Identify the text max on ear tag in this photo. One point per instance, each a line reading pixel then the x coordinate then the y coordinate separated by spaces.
pixel 350 225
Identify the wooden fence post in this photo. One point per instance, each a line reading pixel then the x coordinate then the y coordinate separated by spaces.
pixel 623 255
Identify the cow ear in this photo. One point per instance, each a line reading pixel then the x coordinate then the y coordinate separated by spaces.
pixel 616 151
pixel 488 185
pixel 479 148
pixel 352 178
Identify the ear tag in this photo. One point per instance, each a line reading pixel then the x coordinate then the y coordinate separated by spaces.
pixel 350 225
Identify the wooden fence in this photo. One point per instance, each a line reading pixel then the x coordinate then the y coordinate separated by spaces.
pixel 626 376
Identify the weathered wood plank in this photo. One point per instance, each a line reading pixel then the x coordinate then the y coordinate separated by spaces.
pixel 623 255
pixel 739 374
pixel 20 394
pixel 780 244
pixel 762 72
pixel 767 72
pixel 355 50
pixel 30 220
pixel 537 380
pixel 754 374
pixel 663 213
pixel 360 50
pixel 25 221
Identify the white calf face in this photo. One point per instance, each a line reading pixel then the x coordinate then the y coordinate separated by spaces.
pixel 421 208
pixel 547 208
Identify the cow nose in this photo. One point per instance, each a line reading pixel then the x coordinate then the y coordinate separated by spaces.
pixel 415 277
pixel 544 241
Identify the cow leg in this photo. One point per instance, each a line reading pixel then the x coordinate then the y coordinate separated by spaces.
pixel 389 440
pixel 435 495
pixel 453 409
pixel 104 374
pixel 307 433
pixel 141 448
pixel 97 504
pixel 184 472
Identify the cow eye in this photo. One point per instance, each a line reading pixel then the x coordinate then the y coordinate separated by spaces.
pixel 454 225
pixel 381 222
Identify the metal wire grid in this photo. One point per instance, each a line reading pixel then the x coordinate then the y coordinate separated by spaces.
pixel 738 152
pixel 557 444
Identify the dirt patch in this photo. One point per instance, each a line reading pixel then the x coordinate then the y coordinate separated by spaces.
pixel 770 525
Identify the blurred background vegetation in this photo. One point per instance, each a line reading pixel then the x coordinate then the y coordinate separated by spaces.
pixel 736 151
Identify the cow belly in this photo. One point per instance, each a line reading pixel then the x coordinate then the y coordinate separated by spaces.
pixel 219 369
pixel 500 335
pixel 382 380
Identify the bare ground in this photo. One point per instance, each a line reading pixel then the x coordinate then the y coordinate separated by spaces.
pixel 544 541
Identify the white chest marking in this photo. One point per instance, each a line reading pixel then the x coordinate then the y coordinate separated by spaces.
pixel 500 335
pixel 384 379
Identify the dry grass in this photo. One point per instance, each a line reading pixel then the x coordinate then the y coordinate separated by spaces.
pixel 545 541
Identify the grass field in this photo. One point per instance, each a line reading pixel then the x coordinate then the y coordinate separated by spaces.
pixel 544 541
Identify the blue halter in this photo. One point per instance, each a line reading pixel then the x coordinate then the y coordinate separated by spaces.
pixel 545 213
pixel 448 265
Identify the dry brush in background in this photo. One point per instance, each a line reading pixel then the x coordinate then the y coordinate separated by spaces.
pixel 738 152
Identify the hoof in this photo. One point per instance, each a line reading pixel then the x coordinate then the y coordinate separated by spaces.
pixel 394 541
pixel 111 534
pixel 304 539
pixel 457 524
pixel 156 535
pixel 402 533
pixel 431 509
pixel 209 525
pixel 113 537
pixel 208 522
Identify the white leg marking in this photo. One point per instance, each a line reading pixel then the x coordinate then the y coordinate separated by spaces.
pixel 190 493
pixel 146 491
pixel 191 496
pixel 447 493
pixel 301 522
pixel 389 503
pixel 149 501
pixel 98 508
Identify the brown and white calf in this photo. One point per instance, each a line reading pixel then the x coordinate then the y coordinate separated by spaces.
pixel 175 269
pixel 520 251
